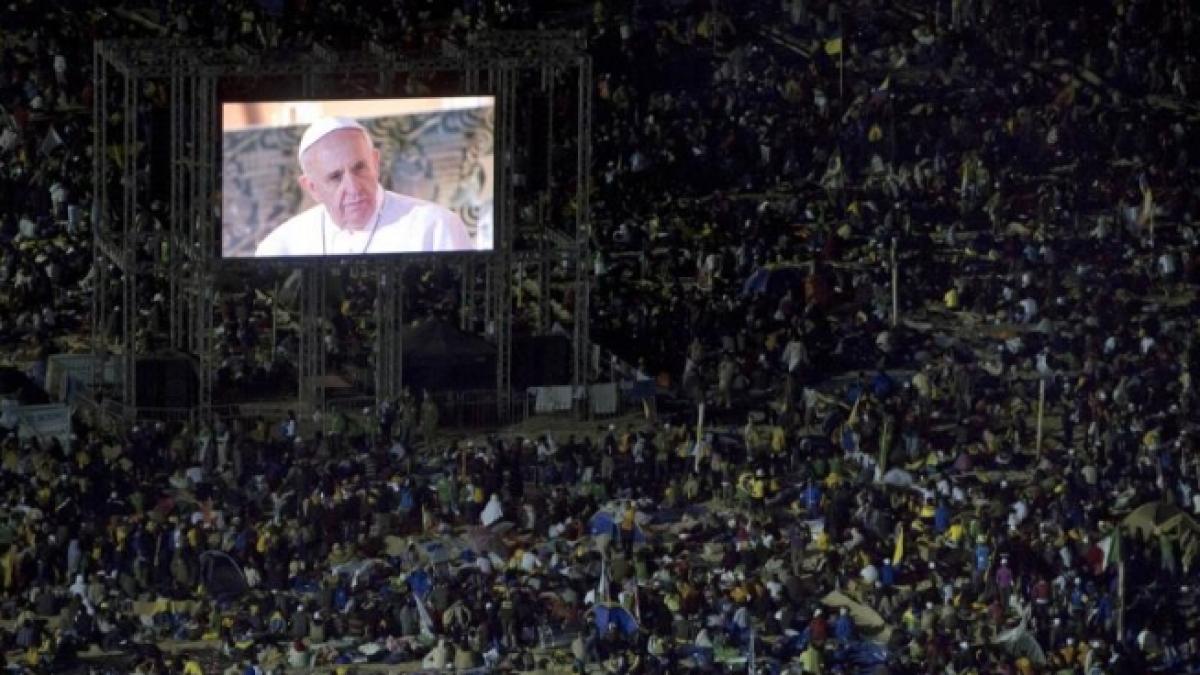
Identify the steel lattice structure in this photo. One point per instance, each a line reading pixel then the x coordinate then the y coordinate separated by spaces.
pixel 134 257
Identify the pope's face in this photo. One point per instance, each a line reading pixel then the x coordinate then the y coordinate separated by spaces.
pixel 342 172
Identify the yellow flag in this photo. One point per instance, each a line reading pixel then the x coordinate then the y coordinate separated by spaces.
pixel 833 47
pixel 898 555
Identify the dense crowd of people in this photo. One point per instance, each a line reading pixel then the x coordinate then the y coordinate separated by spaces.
pixel 918 282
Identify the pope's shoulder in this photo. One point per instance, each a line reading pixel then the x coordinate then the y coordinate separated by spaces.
pixel 407 203
pixel 297 230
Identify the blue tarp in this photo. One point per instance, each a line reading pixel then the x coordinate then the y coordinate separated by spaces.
pixel 615 616
pixel 437 552
pixel 604 523
pixel 773 280
pixel 882 385
pixel 860 656
pixel 420 583
pixel 756 282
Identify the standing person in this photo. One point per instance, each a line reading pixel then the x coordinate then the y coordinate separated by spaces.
pixel 290 427
pixel 726 371
pixel 795 359
pixel 429 418
pixel 354 214
pixel 628 528
pixel 204 449
pixel 223 438
pixel 693 381
pixel 408 415
pixel 337 430
pixel 755 437
pixel 387 418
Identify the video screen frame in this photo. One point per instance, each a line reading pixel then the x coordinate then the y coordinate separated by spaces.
pixel 435 164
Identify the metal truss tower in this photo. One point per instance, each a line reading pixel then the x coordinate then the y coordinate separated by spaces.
pixel 156 115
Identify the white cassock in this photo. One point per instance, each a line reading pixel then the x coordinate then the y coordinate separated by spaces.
pixel 401 224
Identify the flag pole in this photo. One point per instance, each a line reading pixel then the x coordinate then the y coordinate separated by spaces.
pixel 1120 600
pixel 750 661
pixel 1151 217
pixel 1041 412
pixel 1115 553
pixel 895 287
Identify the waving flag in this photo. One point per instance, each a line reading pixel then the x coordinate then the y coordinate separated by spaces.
pixel 1112 545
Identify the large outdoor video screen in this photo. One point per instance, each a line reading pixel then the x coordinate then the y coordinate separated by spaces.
pixel 357 177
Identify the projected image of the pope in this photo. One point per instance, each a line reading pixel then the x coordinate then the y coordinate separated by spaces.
pixel 353 214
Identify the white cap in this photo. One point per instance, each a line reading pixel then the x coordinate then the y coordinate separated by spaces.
pixel 324 126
